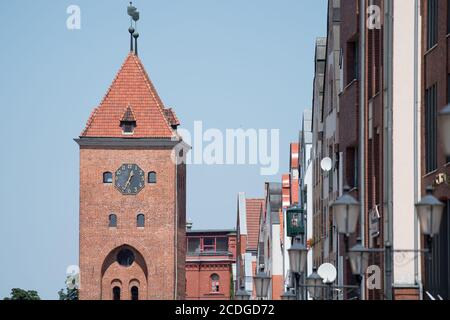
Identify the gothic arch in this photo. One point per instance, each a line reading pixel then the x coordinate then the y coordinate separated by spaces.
pixel 112 271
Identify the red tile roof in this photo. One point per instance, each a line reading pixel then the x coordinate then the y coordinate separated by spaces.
pixel 132 88
pixel 286 190
pixel 171 117
pixel 253 208
pixel 294 154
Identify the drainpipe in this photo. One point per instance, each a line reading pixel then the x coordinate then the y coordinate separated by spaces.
pixel 362 124
pixel 416 137
pixel 387 147
pixel 176 233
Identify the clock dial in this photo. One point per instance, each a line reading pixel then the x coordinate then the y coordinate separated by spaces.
pixel 130 179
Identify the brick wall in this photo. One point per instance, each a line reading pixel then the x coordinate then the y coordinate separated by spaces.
pixel 155 243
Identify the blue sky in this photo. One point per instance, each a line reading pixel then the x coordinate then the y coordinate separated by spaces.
pixel 229 63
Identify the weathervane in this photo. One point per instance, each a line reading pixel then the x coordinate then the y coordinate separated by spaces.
pixel 134 16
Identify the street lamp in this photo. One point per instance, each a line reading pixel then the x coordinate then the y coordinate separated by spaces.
pixel 429 211
pixel 346 211
pixel 314 282
pixel 242 294
pixel 359 258
pixel 359 262
pixel 288 295
pixel 262 282
pixel 298 254
pixel 445 128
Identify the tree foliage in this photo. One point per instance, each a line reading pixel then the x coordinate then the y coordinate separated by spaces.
pixel 68 294
pixel 21 294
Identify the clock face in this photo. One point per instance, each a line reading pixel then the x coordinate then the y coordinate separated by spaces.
pixel 130 179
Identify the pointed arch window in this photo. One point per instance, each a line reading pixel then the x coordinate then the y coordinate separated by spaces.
pixel 107 177
pixel 140 220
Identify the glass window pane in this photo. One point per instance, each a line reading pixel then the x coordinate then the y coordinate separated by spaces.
pixel 112 220
pixel 152 177
pixel 107 177
pixel 194 245
pixel 222 244
pixel 140 220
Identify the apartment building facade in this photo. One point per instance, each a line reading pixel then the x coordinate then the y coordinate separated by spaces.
pixel 435 166
pixel 371 133
pixel 270 253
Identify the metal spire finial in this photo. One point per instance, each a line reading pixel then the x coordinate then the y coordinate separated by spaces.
pixel 134 16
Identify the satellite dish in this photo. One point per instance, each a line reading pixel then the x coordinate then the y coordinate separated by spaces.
pixel 327 272
pixel 326 164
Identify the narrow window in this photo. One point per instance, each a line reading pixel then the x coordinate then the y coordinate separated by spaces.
pixel 140 220
pixel 356 167
pixel 448 16
pixel 352 61
pixel 431 128
pixel 107 177
pixel 152 177
pixel 134 293
pixel 116 293
pixel 352 167
pixel 215 283
pixel 448 81
pixel 112 220
pixel 432 23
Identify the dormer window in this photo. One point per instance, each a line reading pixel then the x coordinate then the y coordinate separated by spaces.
pixel 127 126
pixel 128 122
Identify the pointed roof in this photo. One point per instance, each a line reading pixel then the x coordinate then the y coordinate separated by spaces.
pixel 172 117
pixel 128 115
pixel 253 208
pixel 131 94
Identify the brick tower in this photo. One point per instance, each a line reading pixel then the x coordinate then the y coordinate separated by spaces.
pixel 132 194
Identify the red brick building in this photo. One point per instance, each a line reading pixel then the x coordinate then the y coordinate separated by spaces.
pixel 210 264
pixel 132 195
